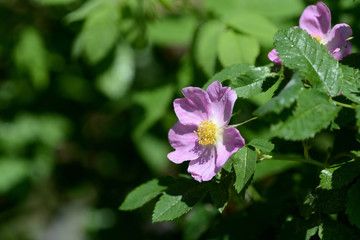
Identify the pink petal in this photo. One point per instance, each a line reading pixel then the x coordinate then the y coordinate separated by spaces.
pixel 194 108
pixel 203 168
pixel 273 56
pixel 223 100
pixel 184 140
pixel 336 41
pixel 316 19
pixel 231 143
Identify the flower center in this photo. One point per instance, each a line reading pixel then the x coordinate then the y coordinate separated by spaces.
pixel 206 132
pixel 317 37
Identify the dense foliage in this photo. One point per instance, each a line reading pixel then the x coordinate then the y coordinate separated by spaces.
pixel 86 92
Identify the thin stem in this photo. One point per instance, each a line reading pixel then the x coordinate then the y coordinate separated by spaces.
pixel 249 120
pixel 344 105
pixel 296 159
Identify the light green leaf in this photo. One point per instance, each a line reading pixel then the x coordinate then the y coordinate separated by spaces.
pixel 298 50
pixel 85 10
pixel 339 176
pixel 285 99
pixel 237 48
pixel 262 144
pixel 178 200
pixel 205 47
pixel 250 83
pixel 351 86
pixel 352 204
pixel 253 24
pixel 100 32
pixel 55 2
pixel 314 112
pixel 116 80
pixel 31 56
pixel 142 194
pixel 230 73
pixel 172 30
pixel 244 162
pixel 13 171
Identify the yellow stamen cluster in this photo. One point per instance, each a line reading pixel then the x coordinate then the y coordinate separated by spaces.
pixel 206 132
pixel 317 37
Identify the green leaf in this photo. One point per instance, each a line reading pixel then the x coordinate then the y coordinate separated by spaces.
pixel 244 162
pixel 237 48
pixel 262 144
pixel 298 50
pixel 250 83
pixel 339 176
pixel 357 110
pixel 172 30
pixel 331 201
pixel 13 171
pixel 253 24
pixel 116 80
pixel 314 112
pixel 285 99
pixel 178 200
pixel 31 56
pixel 85 10
pixel 205 47
pixel 100 32
pixel 271 167
pixel 230 73
pixel 142 194
pixel 351 88
pixel 219 191
pixel 55 2
pixel 335 230
pixel 352 204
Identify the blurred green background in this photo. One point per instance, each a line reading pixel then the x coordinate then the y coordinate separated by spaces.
pixel 86 91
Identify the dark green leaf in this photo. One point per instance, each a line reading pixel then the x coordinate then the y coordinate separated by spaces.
pixel 357 110
pixel 178 199
pixel 352 204
pixel 54 2
pixel 333 230
pixel 298 229
pixel 339 176
pixel 271 167
pixel 262 144
pixel 286 97
pixel 314 112
pixel 331 201
pixel 142 194
pixel 298 50
pixel 237 48
pixel 244 162
pixel 219 194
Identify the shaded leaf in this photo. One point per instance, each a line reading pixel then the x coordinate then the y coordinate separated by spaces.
pixel 357 110
pixel 55 2
pixel 334 230
pixel 352 204
pixel 271 167
pixel 237 48
pixel 339 176
pixel 205 47
pixel 13 171
pixel 351 87
pixel 298 50
pixel 331 201
pixel 244 162
pixel 314 112
pixel 285 99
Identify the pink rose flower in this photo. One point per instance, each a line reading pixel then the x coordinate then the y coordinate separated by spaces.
pixel 202 135
pixel 316 20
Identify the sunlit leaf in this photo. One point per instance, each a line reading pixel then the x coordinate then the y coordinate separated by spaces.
pixel 262 144
pixel 314 112
pixel 339 176
pixel 13 171
pixel 31 56
pixel 298 50
pixel 205 48
pixel 285 99
pixel 237 48
pixel 244 162
pixel 116 80
pixel 84 10
pixel 351 88
pixel 142 194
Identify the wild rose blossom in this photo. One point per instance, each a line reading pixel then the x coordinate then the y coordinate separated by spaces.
pixel 316 20
pixel 202 135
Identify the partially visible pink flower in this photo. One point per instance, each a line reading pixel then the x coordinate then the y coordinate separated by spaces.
pixel 202 135
pixel 316 20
